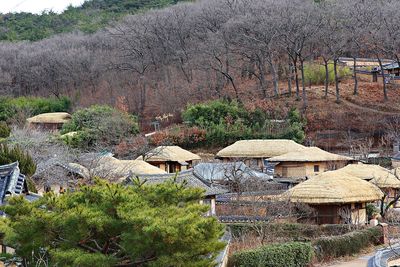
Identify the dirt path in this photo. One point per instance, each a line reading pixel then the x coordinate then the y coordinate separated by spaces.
pixel 317 90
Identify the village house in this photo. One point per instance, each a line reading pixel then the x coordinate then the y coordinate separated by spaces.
pixel 190 179
pixel 105 166
pixel 377 175
pixel 337 197
pixel 362 62
pixel 170 158
pixel 307 162
pixel 12 182
pixel 234 176
pixel 49 121
pixel 254 153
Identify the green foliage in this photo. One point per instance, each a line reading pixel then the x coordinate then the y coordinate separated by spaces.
pixel 347 244
pixel 11 107
pixel 99 125
pixel 315 73
pixel 12 154
pixel 31 185
pixel 5 131
pixel 226 122
pixel 88 18
pixel 372 210
pixel 294 254
pixel 108 224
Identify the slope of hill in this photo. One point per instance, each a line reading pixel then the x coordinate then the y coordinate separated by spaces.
pixel 91 16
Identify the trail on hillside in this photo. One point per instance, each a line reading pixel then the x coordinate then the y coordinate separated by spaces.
pixel 352 104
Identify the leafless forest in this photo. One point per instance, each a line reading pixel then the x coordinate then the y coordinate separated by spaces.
pixel 156 62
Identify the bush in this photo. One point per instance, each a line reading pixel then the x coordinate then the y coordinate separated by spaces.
pixel 316 73
pixel 226 122
pixel 12 154
pixel 294 254
pixel 99 125
pixel 347 244
pixel 5 131
pixel 30 106
pixel 186 137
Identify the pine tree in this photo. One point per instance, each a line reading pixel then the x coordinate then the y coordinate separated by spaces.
pixel 114 225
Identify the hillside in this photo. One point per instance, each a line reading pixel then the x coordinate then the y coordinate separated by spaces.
pixel 88 18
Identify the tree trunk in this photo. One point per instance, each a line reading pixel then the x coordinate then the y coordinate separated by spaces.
pixel 355 92
pixel 263 82
pixel 143 93
pixel 303 83
pixel 290 70
pixel 326 77
pixel 296 77
pixel 385 96
pixel 335 60
pixel 274 78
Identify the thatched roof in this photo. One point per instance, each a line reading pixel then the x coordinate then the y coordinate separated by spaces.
pixel 170 153
pixel 333 187
pixel 115 168
pixel 309 154
pixel 259 148
pixel 376 174
pixel 56 117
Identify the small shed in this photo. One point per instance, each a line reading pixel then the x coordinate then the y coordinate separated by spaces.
pixel 307 162
pixel 379 176
pixel 254 152
pixel 337 197
pixel 171 158
pixel 49 121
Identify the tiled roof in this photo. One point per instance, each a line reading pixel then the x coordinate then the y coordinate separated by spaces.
pixel 211 172
pixel 189 176
pixel 12 182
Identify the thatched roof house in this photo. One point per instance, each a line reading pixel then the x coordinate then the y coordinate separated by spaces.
pixel 171 158
pixel 51 121
pixel 337 197
pixel 115 169
pixel 381 177
pixel 253 152
pixel 307 162
pixel 111 168
pixel 377 175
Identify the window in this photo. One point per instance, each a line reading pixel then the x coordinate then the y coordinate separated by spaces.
pixel 316 168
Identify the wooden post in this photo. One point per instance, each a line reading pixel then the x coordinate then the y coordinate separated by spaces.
pixel 385 234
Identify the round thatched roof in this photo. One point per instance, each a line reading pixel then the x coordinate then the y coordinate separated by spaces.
pixel 55 117
pixel 309 154
pixel 333 187
pixel 170 153
pixel 259 148
pixel 376 174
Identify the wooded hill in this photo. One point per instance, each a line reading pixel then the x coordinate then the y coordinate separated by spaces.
pixel 262 53
pixel 91 16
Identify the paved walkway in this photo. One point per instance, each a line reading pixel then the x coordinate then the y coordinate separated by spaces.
pixel 362 261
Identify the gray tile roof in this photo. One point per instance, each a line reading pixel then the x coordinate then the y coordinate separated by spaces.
pixel 189 176
pixel 12 182
pixel 212 172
